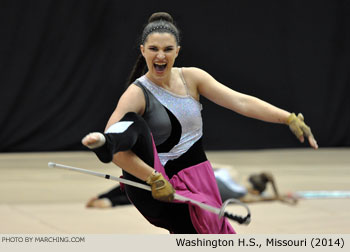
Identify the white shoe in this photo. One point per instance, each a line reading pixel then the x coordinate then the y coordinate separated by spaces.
pixel 94 140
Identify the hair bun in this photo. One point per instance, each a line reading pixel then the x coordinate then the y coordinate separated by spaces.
pixel 161 16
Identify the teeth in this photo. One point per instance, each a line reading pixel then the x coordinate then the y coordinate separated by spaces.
pixel 160 64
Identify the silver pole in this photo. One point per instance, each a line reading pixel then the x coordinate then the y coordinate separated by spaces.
pixel 219 211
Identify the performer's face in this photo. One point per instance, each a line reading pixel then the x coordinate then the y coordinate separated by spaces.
pixel 160 51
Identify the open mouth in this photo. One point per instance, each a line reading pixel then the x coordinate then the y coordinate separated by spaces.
pixel 160 67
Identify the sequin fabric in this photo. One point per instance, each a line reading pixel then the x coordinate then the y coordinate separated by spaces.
pixel 188 112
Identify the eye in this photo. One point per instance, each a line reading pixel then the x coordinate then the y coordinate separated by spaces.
pixel 152 48
pixel 168 49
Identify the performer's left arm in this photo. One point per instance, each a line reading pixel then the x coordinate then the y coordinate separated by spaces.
pixel 247 105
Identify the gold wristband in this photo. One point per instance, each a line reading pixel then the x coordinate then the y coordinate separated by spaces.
pixel 290 118
pixel 148 180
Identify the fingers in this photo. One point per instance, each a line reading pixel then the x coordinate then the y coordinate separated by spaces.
pixel 300 133
pixel 300 116
pixel 301 130
pixel 310 136
pixel 301 139
pixel 307 133
pixel 313 142
pixel 297 130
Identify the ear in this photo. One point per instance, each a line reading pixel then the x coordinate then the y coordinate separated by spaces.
pixel 177 51
pixel 142 49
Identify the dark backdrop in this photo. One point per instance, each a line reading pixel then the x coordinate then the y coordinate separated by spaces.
pixel 64 64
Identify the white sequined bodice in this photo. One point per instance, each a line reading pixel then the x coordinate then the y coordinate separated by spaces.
pixel 187 111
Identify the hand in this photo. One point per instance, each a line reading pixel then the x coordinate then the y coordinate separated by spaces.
pixel 300 129
pixel 161 188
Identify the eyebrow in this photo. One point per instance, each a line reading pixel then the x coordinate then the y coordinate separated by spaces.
pixel 169 46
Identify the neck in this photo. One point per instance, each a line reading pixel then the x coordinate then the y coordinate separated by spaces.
pixel 163 81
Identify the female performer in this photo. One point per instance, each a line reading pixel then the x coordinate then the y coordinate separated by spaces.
pixel 155 133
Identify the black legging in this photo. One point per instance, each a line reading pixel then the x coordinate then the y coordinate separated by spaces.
pixel 174 217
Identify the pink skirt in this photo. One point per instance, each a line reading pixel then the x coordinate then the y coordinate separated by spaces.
pixel 198 182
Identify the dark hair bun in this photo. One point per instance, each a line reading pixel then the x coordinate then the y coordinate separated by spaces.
pixel 161 16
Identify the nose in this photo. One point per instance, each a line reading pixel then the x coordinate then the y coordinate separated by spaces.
pixel 160 55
